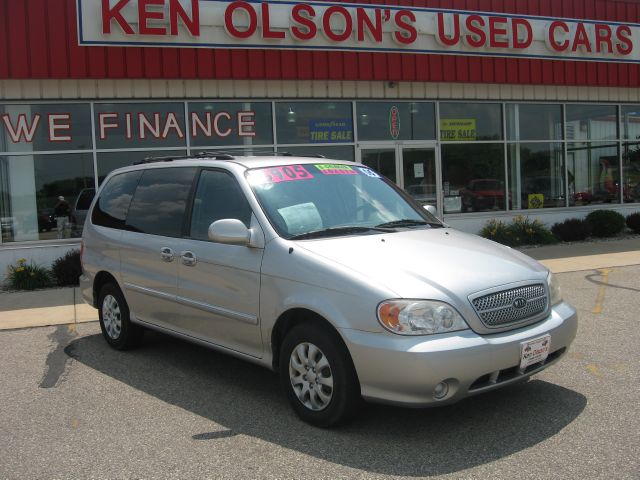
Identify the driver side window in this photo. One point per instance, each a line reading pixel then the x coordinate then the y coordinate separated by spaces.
pixel 218 197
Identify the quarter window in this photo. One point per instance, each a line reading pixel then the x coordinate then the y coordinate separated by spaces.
pixel 113 204
pixel 159 203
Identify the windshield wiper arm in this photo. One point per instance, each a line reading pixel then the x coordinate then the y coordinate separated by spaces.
pixel 337 231
pixel 406 222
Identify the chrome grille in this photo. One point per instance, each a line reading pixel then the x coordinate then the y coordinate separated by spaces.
pixel 497 310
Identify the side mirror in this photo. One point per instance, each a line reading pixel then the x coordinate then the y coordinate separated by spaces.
pixel 432 210
pixel 229 231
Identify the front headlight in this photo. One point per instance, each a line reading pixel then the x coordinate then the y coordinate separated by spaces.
pixel 419 317
pixel 555 294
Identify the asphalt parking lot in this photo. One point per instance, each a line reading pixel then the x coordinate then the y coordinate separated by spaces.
pixel 70 407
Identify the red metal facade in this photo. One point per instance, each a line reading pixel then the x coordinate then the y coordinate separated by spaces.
pixel 38 39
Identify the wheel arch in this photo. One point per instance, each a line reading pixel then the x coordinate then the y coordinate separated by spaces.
pixel 297 316
pixel 101 279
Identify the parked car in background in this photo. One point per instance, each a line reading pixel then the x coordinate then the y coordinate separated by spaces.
pixel 46 220
pixel 80 209
pixel 483 194
pixel 323 271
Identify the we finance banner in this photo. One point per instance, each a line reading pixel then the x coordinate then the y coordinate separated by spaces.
pixel 351 27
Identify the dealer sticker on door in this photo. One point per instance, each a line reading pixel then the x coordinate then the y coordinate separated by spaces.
pixel 534 351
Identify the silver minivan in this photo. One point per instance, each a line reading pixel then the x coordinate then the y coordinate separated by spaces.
pixel 323 271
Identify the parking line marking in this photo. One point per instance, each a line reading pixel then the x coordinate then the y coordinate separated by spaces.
pixel 600 298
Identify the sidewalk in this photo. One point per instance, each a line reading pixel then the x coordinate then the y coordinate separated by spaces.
pixel 65 305
pixel 575 257
pixel 58 306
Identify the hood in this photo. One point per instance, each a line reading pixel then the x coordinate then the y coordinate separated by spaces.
pixel 429 263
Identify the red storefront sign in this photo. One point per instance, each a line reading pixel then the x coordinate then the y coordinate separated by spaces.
pixel 351 27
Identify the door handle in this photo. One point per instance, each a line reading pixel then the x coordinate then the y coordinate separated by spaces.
pixel 166 254
pixel 189 259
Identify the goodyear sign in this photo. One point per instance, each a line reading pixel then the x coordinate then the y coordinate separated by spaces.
pixel 458 129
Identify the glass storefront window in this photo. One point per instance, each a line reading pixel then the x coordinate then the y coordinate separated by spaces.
pixel 475 172
pixel 109 161
pixel 221 124
pixel 536 175
pixel 382 160
pixel 30 191
pixel 45 127
pixel 631 172
pixel 139 125
pixel 594 174
pixel 468 122
pixel 592 122
pixel 631 122
pixel 534 122
pixel 314 122
pixel 396 121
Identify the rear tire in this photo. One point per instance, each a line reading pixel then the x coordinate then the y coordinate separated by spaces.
pixel 115 322
pixel 318 377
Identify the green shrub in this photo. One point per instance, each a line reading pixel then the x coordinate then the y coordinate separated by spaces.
pixel 525 231
pixel 606 223
pixel 67 269
pixel 23 276
pixel 521 231
pixel 497 231
pixel 572 230
pixel 633 222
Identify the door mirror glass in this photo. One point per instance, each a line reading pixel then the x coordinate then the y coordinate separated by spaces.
pixel 432 210
pixel 230 231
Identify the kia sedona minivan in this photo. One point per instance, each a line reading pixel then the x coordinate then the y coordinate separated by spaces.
pixel 323 271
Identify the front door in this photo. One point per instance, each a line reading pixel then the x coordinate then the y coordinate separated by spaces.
pixel 413 167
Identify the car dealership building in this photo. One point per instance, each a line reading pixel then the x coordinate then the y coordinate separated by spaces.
pixel 482 108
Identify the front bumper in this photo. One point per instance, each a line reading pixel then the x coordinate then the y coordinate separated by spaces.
pixel 405 370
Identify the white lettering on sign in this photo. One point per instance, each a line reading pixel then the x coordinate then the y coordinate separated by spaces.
pixel 351 27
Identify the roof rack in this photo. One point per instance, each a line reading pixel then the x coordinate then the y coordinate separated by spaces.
pixel 159 159
pixel 217 155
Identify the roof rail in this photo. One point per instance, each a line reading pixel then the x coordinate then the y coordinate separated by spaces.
pixel 159 159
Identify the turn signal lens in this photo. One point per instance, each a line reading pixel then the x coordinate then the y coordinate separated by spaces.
pixel 419 317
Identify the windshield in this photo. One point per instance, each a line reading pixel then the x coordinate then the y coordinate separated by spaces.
pixel 311 201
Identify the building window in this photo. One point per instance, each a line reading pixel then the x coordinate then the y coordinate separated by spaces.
pixel 109 161
pixel 396 121
pixel 536 175
pixel 216 125
pixel 139 125
pixel 314 122
pixel 468 122
pixel 631 122
pixel 474 172
pixel 594 174
pixel 526 122
pixel 631 172
pixel 45 127
pixel 591 122
pixel 31 187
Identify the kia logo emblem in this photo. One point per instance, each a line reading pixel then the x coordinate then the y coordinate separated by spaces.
pixel 519 303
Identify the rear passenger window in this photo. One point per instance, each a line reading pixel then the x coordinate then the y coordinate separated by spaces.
pixel 111 208
pixel 218 197
pixel 159 203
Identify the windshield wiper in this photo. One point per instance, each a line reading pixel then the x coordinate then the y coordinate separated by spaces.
pixel 406 222
pixel 337 231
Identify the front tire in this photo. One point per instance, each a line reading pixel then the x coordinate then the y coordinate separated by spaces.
pixel 317 375
pixel 115 322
